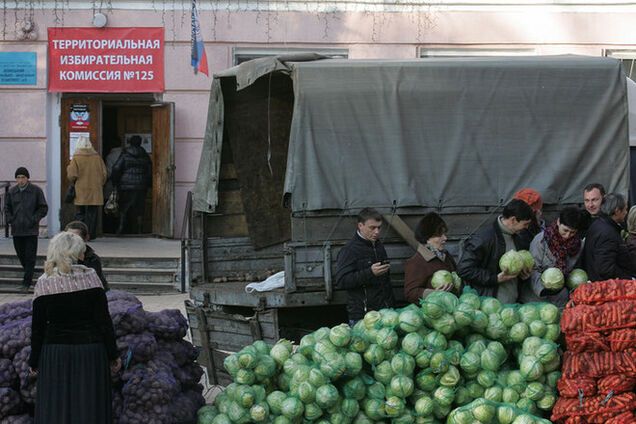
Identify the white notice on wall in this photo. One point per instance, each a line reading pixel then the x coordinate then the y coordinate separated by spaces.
pixel 73 138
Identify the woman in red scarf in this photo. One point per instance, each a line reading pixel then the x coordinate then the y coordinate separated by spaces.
pixel 558 246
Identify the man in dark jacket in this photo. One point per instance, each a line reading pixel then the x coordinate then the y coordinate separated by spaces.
pixel 132 174
pixel 90 259
pixel 363 269
pixel 605 253
pixel 25 207
pixel 479 262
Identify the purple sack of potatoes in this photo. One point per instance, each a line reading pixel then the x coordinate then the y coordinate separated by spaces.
pixel 185 405
pixel 182 350
pixel 17 419
pixel 14 336
pixel 119 295
pixel 8 376
pixel 28 383
pixel 128 317
pixel 15 311
pixel 142 346
pixel 9 402
pixel 168 324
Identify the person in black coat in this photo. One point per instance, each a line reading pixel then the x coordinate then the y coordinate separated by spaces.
pixel 605 253
pixel 363 270
pixel 479 260
pixel 90 258
pixel 132 175
pixel 25 207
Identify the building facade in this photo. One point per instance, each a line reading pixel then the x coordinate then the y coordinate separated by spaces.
pixel 39 121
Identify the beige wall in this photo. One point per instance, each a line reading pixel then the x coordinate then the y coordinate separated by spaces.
pixel 542 29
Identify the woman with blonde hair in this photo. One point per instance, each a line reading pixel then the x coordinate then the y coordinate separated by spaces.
pixel 72 339
pixel 88 172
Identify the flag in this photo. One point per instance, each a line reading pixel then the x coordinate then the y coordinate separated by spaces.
pixel 199 58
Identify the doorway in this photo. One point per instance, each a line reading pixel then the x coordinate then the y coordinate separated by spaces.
pixel 112 123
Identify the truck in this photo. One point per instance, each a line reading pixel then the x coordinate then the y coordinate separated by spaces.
pixel 295 146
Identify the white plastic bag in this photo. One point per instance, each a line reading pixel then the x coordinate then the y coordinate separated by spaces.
pixel 272 282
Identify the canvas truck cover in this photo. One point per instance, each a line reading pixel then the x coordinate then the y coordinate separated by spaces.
pixel 446 133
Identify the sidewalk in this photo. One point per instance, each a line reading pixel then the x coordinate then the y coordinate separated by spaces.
pixel 132 247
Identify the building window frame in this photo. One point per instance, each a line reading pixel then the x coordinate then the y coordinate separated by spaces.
pixel 243 54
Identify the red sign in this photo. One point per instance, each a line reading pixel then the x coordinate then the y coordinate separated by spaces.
pixel 106 60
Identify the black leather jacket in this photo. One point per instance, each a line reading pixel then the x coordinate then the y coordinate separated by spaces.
pixel 605 253
pixel 365 291
pixel 479 259
pixel 133 170
pixel 25 209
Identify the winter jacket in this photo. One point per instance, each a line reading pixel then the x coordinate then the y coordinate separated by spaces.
pixel 479 260
pixel 631 247
pixel 92 260
pixel 88 172
pixel 365 291
pixel 133 170
pixel 25 209
pixel 419 270
pixel 534 291
pixel 605 254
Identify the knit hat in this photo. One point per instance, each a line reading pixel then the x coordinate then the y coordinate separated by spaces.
pixel 22 171
pixel 531 197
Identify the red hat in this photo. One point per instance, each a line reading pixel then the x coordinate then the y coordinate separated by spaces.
pixel 531 197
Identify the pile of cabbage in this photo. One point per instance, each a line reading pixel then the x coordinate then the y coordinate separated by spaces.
pixel 414 365
pixel 159 382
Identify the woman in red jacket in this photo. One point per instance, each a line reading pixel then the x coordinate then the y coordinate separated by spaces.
pixel 429 258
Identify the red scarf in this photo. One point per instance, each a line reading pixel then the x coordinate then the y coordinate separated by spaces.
pixel 561 248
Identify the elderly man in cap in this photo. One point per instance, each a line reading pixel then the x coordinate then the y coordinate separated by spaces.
pixel 25 207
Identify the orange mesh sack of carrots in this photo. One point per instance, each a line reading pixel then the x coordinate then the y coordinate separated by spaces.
pixel 595 409
pixel 622 339
pixel 617 383
pixel 598 364
pixel 626 417
pixel 607 316
pixel 604 291
pixel 586 342
pixel 573 387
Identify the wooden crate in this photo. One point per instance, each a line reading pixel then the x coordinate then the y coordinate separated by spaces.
pixel 219 333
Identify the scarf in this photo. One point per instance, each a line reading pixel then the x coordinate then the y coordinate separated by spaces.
pixel 80 278
pixel 561 248
pixel 441 254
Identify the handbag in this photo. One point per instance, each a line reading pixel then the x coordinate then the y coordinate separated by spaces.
pixel 111 207
pixel 69 197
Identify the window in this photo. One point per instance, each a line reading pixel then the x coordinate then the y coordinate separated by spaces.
pixel 628 59
pixel 470 52
pixel 243 54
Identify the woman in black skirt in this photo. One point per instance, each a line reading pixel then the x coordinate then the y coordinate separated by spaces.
pixel 73 348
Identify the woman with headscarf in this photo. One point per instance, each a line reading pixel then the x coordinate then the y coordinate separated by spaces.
pixel 88 172
pixel 73 348
pixel 429 258
pixel 558 246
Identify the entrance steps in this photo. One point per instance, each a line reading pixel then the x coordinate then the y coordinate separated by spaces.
pixel 135 265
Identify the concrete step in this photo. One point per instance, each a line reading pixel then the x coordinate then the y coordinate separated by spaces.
pixel 140 275
pixel 14 285
pixel 109 262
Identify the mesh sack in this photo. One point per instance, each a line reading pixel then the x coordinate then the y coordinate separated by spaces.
pixel 15 311
pixel 167 324
pixel 586 342
pixel 17 419
pixel 604 291
pixel 142 346
pixel 9 402
pixel 598 364
pixel 617 383
pixel 572 388
pixel 623 339
pixel 182 350
pixel 128 317
pixel 607 316
pixel 184 406
pixel 28 383
pixel 14 336
pixel 119 295
pixel 8 376
pixel 568 407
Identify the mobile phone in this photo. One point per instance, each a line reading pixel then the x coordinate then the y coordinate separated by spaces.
pixel 385 262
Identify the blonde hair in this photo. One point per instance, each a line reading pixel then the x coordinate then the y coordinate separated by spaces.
pixel 631 220
pixel 84 143
pixel 64 251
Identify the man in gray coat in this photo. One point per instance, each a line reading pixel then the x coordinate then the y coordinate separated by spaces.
pixel 25 207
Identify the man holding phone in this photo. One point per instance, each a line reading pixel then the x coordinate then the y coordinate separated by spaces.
pixel 363 268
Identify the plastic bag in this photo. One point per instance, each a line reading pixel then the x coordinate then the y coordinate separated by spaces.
pixel 272 282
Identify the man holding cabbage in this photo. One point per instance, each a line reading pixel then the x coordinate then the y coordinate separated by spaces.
pixel 479 264
pixel 363 268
